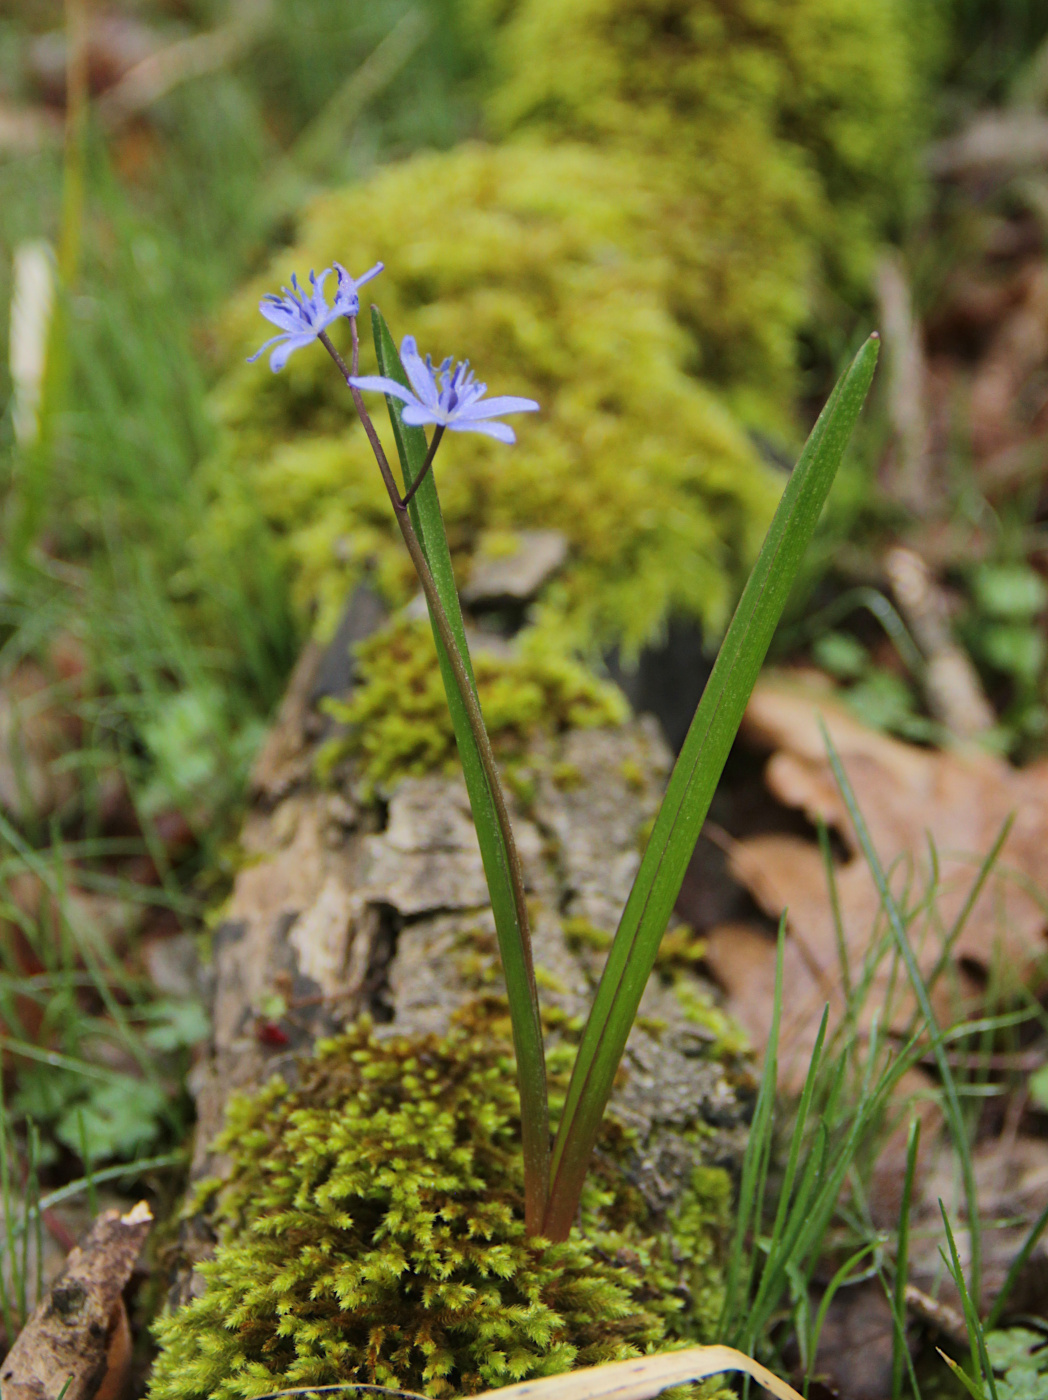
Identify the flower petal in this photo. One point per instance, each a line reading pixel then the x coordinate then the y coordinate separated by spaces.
pixel 276 309
pixel 422 380
pixel 333 313
pixel 263 348
pixel 279 357
pixel 379 384
pixel 502 431
pixel 417 413
pixel 371 272
pixel 347 302
pixel 495 408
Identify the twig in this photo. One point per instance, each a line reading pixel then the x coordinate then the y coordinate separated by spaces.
pixel 955 695
pixel 941 1315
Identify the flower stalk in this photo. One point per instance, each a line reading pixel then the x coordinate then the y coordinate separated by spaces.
pixel 501 858
pixel 449 398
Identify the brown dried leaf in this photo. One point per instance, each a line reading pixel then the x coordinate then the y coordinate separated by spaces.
pixel 915 801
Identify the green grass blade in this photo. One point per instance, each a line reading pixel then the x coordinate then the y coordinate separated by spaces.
pixel 832 1288
pixel 952 1104
pixel 976 1392
pixel 692 785
pixel 750 1205
pixel 1017 1266
pixel 835 909
pixel 902 1261
pixel 513 939
pixel 986 868
pixel 797 1140
pixel 9 1271
pixel 784 1253
pixel 976 1334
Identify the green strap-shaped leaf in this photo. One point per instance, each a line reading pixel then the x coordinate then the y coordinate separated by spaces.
pixel 692 785
pixel 428 524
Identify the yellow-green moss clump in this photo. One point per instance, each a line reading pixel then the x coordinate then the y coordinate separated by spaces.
pixel 783 132
pixel 372 1230
pixel 535 263
pixel 638 255
pixel 397 719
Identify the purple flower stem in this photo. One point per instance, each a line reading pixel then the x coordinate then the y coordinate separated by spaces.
pixel 536 1201
pixel 438 433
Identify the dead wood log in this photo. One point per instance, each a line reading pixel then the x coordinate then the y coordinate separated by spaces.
pixel 77 1340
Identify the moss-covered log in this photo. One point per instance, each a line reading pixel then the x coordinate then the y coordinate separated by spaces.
pixel 367 1203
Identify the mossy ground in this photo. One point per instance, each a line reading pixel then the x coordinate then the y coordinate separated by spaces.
pixel 397 719
pixel 372 1230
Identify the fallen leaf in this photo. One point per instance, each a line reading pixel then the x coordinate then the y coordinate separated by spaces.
pixel 644 1377
pixel 933 817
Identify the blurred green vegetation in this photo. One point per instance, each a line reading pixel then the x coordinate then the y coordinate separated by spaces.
pixel 165 713
pixel 178 207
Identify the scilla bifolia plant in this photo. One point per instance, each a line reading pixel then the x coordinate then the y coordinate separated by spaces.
pixel 449 398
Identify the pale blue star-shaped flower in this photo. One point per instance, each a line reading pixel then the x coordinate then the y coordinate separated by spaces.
pixel 448 397
pixel 301 318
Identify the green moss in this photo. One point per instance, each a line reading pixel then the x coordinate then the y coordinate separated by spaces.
pixel 728 1041
pixel 580 933
pixel 665 213
pixel 537 263
pixel 372 1230
pixel 784 131
pixel 397 717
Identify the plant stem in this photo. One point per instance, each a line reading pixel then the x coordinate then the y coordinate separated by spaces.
pixel 534 1109
pixel 438 433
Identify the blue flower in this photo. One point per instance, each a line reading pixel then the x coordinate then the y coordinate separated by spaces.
pixel 301 318
pixel 449 397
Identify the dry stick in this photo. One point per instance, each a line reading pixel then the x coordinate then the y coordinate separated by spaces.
pixel 429 588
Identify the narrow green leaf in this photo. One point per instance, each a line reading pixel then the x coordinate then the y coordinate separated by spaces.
pixel 749 1210
pixel 976 1392
pixel 428 524
pixel 902 1260
pixel 1016 1268
pixel 976 1335
pixel 799 1129
pixel 837 1282
pixel 692 786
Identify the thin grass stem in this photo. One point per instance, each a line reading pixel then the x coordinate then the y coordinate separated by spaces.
pixel 750 1203
pixel 832 1288
pixel 976 1338
pixel 902 1260
pixel 835 909
pixel 954 1111
pixel 1016 1268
